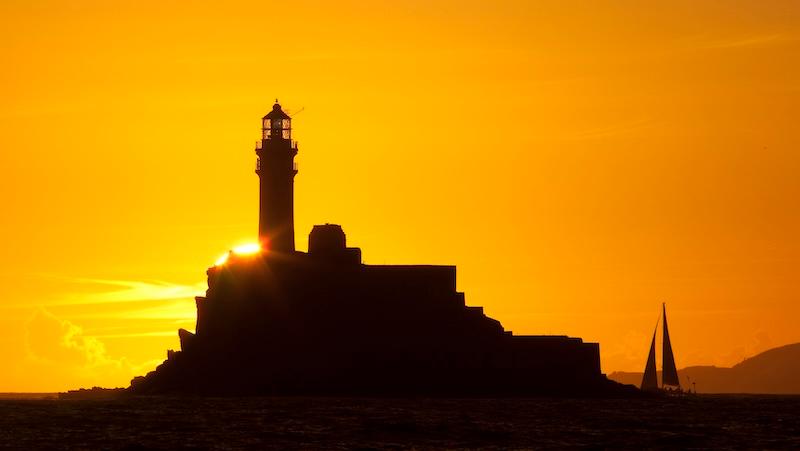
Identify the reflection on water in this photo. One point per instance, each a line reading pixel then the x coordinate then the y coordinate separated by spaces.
pixel 278 423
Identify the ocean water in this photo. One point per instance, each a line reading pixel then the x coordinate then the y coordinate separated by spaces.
pixel 703 422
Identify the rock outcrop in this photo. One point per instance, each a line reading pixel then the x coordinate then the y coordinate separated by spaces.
pixel 324 323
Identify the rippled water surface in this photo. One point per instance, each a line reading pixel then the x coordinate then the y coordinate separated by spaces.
pixel 279 423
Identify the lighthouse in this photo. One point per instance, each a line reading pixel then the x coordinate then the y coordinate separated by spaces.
pixel 322 322
pixel 276 169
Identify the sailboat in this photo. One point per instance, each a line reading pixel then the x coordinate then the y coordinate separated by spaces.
pixel 669 373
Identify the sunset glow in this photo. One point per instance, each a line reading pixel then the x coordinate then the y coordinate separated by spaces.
pixel 579 162
pixel 244 249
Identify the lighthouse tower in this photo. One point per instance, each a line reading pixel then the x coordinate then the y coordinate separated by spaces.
pixel 276 170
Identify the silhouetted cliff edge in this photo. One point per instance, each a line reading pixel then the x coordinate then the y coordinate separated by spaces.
pixel 776 371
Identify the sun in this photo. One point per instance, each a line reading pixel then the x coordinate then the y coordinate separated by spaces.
pixel 243 249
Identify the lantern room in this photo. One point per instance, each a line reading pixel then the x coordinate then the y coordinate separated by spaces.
pixel 276 124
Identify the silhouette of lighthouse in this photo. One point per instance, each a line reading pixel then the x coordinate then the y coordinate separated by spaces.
pixel 276 169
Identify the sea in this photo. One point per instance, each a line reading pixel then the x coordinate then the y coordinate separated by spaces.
pixel 168 423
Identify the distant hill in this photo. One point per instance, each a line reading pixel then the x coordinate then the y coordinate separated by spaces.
pixel 776 371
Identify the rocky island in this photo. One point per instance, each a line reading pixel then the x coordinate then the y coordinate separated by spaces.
pixel 280 321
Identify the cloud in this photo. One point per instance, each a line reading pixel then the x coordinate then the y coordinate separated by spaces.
pixel 123 291
pixel 131 290
pixel 142 300
pixel 59 349
pixel 49 339
pixel 63 342
pixel 168 333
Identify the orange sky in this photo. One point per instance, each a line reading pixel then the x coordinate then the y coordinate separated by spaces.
pixel 580 163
